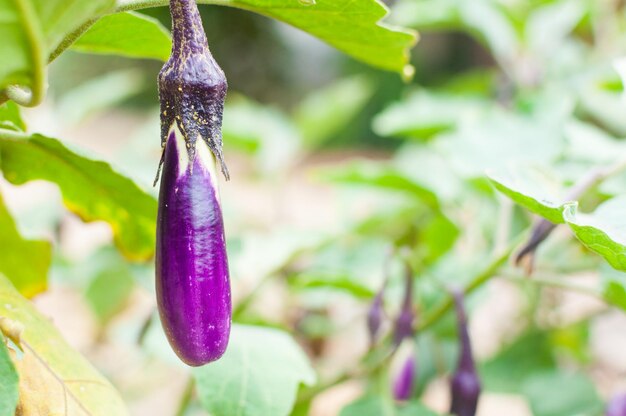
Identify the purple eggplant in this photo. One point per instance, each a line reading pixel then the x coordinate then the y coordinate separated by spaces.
pixel 405 380
pixel 404 324
pixel 192 279
pixel 375 316
pixel 465 384
pixel 617 406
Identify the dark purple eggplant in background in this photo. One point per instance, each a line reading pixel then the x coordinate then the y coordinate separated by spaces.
pixel 192 279
pixel 465 384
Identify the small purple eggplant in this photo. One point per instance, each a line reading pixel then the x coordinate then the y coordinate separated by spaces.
pixel 404 324
pixel 192 279
pixel 617 406
pixel 465 384
pixel 405 380
pixel 375 316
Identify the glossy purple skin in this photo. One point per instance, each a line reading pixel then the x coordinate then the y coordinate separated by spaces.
pixel 405 381
pixel 465 384
pixel 617 406
pixel 192 281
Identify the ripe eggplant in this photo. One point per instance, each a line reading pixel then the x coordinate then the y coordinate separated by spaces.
pixel 192 279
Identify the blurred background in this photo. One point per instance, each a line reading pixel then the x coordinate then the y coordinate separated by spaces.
pixel 333 163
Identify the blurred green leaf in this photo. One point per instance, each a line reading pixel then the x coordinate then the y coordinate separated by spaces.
pixel 562 394
pixel 352 27
pixel 109 290
pixel 369 406
pixel 339 282
pixel 603 231
pixel 379 176
pixel 378 406
pixel 127 34
pixel 91 189
pixel 614 287
pixel 58 378
pixel 486 20
pixel 25 262
pixel 258 375
pixel 498 139
pixel 527 355
pixel 10 117
pixel 573 340
pixel 435 356
pixel 99 94
pixel 532 189
pixel 424 114
pixel 9 387
pixel 606 108
pixel 436 236
pixel 326 111
pixel 262 130
pixel 589 143
pixel 32 30
pixel 548 26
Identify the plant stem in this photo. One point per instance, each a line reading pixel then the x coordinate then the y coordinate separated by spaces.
pixel 556 283
pixel 186 397
pixel 32 29
pixel 13 135
pixel 477 281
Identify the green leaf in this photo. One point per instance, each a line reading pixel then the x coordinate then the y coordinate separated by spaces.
pixel 10 117
pixel 498 140
pixel 532 189
pixel 258 375
pixel 485 20
pixel 342 282
pixel 91 189
pixel 57 380
pixel 615 294
pixel 562 394
pixel 424 114
pixel 109 290
pixel 527 355
pixel 613 286
pixel 25 262
pixel 369 406
pixel 325 112
pixel 605 108
pixel 548 26
pixel 589 143
pixel 604 231
pixel 353 27
pixel 127 34
pixel 9 386
pixel 98 94
pixel 378 176
pixel 378 406
pixel 32 29
pixel 262 130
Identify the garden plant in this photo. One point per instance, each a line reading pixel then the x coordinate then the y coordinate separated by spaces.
pixel 409 207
